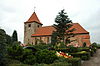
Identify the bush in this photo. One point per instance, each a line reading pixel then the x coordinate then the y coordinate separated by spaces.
pixel 61 64
pixel 94 49
pixel 73 49
pixel 91 52
pixel 12 62
pixel 41 46
pixel 28 57
pixel 15 52
pixel 65 50
pixel 61 59
pixel 54 64
pixel 80 54
pixel 75 61
pixel 84 49
pixel 46 56
pixel 98 46
pixel 68 49
pixel 84 58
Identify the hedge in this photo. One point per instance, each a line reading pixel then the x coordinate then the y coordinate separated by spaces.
pixel 81 55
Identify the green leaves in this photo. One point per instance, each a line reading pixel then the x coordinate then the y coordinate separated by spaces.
pixel 14 36
pixel 62 26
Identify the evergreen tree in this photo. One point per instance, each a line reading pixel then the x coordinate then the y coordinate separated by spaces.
pixel 62 26
pixel 54 38
pixel 14 36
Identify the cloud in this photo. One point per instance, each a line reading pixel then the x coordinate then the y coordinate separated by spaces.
pixel 13 14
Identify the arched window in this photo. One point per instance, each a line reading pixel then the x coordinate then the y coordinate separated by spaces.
pixel 29 25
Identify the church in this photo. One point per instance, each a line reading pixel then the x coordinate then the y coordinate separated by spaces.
pixel 34 32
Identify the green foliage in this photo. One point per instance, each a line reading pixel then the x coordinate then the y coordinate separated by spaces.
pixel 45 56
pixel 98 46
pixel 15 52
pixel 63 23
pixel 81 54
pixel 61 64
pixel 28 57
pixel 75 61
pixel 61 59
pixel 94 44
pixel 2 47
pixel 84 44
pixel 72 49
pixel 12 62
pixel 14 36
pixel 84 58
pixel 84 49
pixel 54 38
pixel 42 46
pixel 8 40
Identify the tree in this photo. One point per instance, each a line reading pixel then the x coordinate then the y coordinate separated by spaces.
pixel 54 38
pixel 62 26
pixel 2 47
pixel 14 36
pixel 84 44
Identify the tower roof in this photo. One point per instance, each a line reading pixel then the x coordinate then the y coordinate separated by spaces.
pixel 33 18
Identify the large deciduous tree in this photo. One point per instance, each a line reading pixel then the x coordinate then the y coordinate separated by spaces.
pixel 62 26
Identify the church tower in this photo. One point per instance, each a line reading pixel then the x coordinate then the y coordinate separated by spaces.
pixel 30 27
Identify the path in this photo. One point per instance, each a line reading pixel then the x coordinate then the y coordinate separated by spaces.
pixel 94 61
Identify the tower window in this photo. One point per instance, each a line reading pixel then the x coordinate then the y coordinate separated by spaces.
pixel 38 26
pixel 29 25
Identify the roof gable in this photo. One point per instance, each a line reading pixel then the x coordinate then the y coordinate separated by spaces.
pixel 33 18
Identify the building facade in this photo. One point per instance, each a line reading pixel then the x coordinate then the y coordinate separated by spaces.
pixel 35 33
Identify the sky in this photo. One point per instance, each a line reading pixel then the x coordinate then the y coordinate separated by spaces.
pixel 13 14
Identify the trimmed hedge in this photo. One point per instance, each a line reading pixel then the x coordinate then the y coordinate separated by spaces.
pixel 81 55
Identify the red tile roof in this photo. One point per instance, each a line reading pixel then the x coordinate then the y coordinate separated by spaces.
pixel 42 31
pixel 78 28
pixel 47 30
pixel 33 18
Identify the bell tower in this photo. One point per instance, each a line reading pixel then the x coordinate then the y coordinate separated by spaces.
pixel 30 27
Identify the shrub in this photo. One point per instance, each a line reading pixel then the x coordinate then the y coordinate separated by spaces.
pixel 84 49
pixel 73 49
pixel 94 49
pixel 61 59
pixel 80 54
pixel 98 46
pixel 41 46
pixel 28 57
pixel 54 64
pixel 15 52
pixel 91 52
pixel 61 64
pixel 84 58
pixel 65 50
pixel 75 61
pixel 46 56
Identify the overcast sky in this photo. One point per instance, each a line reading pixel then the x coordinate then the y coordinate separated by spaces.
pixel 13 14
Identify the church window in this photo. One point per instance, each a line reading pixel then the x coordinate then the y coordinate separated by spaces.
pixel 47 39
pixel 38 26
pixel 29 25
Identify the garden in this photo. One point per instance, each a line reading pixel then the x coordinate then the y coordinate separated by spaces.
pixel 43 55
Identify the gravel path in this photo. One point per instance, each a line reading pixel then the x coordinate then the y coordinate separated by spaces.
pixel 94 61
